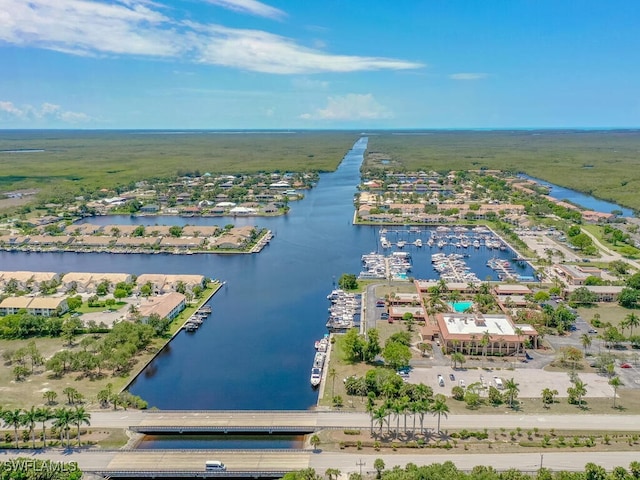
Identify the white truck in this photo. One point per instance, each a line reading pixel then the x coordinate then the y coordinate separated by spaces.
pixel 498 382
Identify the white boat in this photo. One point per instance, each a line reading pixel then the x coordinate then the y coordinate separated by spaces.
pixel 316 376
pixel 401 243
pixel 418 243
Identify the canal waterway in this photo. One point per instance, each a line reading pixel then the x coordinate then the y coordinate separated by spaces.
pixel 256 349
pixel 581 199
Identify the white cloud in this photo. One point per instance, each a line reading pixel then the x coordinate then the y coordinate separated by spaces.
pixel 138 27
pixel 304 83
pixel 468 76
pixel 252 7
pixel 11 109
pixel 350 107
pixel 47 111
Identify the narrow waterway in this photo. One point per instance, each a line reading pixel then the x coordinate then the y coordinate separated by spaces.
pixel 581 199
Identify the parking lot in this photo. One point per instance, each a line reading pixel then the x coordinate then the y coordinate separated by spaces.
pixel 531 382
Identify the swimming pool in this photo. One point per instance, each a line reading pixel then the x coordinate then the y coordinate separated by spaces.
pixel 461 306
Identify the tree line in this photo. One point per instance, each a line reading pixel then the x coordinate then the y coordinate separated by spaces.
pixel 30 419
pixel 449 471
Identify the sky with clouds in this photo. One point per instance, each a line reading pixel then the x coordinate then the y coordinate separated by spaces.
pixel 277 64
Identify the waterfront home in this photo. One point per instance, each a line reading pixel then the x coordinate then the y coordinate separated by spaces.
pixel 182 242
pixel 13 240
pixel 83 229
pixel 150 208
pixel 137 242
pixel 26 280
pixel 200 230
pixel 83 282
pixel 49 240
pixel 168 306
pixel 168 283
pixel 98 241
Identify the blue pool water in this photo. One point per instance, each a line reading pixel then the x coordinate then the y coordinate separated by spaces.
pixel 461 306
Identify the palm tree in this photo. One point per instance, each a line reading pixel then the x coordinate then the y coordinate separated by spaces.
pixel 332 473
pixel 79 416
pixel 439 408
pixel 457 358
pixel 44 414
pixel 13 418
pixel 512 390
pixel 615 382
pixel 315 441
pixel 519 332
pixel 580 389
pixel 62 421
pixel 547 396
pixel 332 375
pixel 380 416
pixel 397 407
pixel 585 339
pixel 631 321
pixel 29 419
pixel 485 341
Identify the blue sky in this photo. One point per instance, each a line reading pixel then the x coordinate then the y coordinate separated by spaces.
pixel 227 64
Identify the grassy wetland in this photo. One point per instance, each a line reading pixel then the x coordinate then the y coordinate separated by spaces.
pixel 59 162
pixel 601 163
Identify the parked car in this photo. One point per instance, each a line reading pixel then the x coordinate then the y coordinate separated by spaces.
pixel 625 365
pixel 591 330
pixel 452 377
pixel 384 315
pixel 462 384
pixel 440 380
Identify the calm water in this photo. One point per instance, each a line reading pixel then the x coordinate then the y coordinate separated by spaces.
pixel 221 442
pixel 581 199
pixel 256 349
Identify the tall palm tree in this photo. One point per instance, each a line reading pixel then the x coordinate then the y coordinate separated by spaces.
pixel 512 390
pixel 585 339
pixel 615 382
pixel 13 418
pixel 397 407
pixel 485 341
pixel 632 320
pixel 44 414
pixel 439 408
pixel 332 375
pixel 380 416
pixel 457 358
pixel 519 332
pixel 580 389
pixel 80 416
pixel 29 419
pixel 62 421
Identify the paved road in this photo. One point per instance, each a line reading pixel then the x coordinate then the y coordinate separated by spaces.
pixel 565 460
pixel 345 462
pixel 121 419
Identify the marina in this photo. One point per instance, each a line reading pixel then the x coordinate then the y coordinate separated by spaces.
pixel 344 312
pixel 197 319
